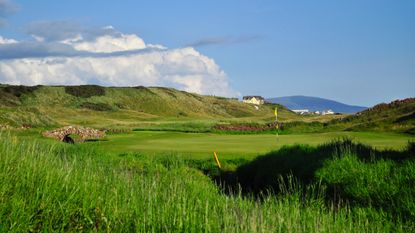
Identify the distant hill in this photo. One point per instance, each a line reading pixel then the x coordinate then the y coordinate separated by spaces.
pixel 315 104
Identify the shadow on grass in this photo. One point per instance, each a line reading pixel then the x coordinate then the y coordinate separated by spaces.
pixel 301 162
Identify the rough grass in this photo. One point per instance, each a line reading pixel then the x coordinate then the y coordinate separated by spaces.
pixel 25 117
pixel 70 188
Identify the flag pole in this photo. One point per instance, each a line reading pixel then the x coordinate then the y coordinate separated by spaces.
pixel 276 122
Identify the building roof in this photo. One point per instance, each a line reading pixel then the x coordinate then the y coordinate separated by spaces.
pixel 252 96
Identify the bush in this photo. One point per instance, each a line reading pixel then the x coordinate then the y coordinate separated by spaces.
pixel 85 91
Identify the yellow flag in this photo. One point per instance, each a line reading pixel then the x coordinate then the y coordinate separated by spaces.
pixel 276 111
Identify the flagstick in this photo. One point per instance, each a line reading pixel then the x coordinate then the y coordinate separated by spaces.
pixel 276 123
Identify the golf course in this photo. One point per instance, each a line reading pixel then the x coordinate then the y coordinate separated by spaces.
pixel 141 159
pixel 236 116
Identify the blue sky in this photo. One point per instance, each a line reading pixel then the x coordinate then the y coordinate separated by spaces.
pixel 357 52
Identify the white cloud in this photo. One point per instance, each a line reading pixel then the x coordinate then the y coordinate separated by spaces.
pixel 115 60
pixel 107 44
pixel 7 41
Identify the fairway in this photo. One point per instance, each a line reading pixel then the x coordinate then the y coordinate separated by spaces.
pixel 202 145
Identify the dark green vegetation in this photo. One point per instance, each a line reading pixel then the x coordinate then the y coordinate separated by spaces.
pixel 85 91
pixel 57 187
pixel 11 95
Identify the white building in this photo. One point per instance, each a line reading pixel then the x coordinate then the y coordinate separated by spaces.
pixel 301 111
pixel 327 112
pixel 258 100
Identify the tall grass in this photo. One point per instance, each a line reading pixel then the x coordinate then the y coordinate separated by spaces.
pixel 65 188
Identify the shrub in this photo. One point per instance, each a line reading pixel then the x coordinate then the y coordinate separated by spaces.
pixel 85 91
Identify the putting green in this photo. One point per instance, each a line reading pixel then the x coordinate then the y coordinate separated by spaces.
pixel 202 145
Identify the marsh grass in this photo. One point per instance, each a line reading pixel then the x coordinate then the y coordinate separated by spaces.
pixel 70 188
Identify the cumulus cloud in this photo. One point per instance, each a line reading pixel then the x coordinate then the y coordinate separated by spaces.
pixel 73 55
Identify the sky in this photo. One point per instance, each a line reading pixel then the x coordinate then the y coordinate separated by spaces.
pixel 359 52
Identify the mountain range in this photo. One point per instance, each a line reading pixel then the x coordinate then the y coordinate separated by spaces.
pixel 315 104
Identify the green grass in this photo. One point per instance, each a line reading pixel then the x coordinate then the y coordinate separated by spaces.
pixel 55 187
pixel 202 145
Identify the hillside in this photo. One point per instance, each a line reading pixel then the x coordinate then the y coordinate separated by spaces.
pixel 43 106
pixel 315 104
pixel 398 115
